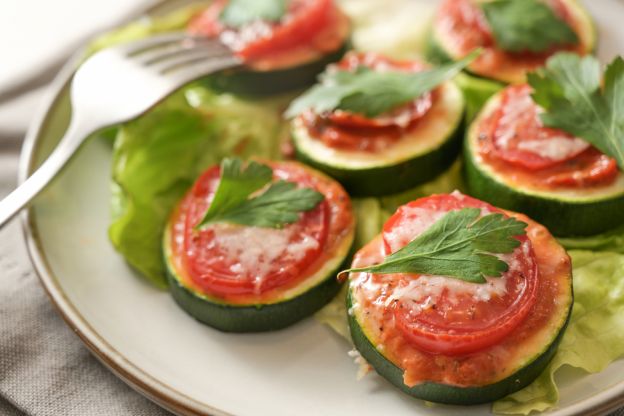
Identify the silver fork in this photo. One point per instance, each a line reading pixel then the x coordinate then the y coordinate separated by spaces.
pixel 117 85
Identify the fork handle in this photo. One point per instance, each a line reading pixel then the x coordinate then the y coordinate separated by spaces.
pixel 31 187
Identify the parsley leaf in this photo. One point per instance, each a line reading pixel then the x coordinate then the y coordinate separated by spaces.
pixel 371 93
pixel 458 245
pixel 279 205
pixel 526 25
pixel 238 13
pixel 570 91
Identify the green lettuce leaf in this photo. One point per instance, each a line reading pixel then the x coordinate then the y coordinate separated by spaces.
pixel 609 241
pixel 595 335
pixel 158 156
pixel 476 92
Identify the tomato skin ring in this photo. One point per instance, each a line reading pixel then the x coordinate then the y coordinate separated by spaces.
pixel 436 337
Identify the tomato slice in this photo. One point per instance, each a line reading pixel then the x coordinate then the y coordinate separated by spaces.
pixel 447 316
pixel 228 260
pixel 303 22
pixel 515 138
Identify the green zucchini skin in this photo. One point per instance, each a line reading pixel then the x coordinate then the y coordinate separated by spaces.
pixel 392 179
pixel 263 83
pixel 563 218
pixel 448 394
pixel 255 318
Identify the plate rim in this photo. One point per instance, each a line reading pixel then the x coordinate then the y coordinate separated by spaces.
pixel 122 367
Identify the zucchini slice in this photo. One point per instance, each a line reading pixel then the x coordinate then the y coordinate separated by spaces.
pixel 566 212
pixel 254 310
pixel 253 83
pixel 425 152
pixel 481 375
pixel 282 312
pixel 449 394
pixel 511 68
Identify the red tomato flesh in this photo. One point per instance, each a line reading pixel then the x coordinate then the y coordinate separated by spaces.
pixel 351 131
pixel 515 138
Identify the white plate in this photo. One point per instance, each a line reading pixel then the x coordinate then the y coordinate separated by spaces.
pixel 142 336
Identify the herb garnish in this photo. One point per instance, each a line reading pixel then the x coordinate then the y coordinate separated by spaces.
pixel 526 25
pixel 570 88
pixel 458 245
pixel 238 13
pixel 278 205
pixel 371 93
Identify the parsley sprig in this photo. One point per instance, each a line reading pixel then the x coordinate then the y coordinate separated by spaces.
pixel 371 93
pixel 238 13
pixel 526 25
pixel 278 205
pixel 581 100
pixel 458 245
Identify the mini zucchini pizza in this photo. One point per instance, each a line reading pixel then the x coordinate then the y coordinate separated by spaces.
pixel 257 248
pixel 396 124
pixel 284 44
pixel 426 312
pixel 516 36
pixel 512 160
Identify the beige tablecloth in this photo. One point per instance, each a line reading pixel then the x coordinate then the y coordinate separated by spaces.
pixel 45 370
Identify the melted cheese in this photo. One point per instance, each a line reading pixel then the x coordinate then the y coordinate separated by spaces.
pixel 363 365
pixel 414 222
pixel 249 33
pixel 423 291
pixel 555 148
pixel 256 249
pixel 511 115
